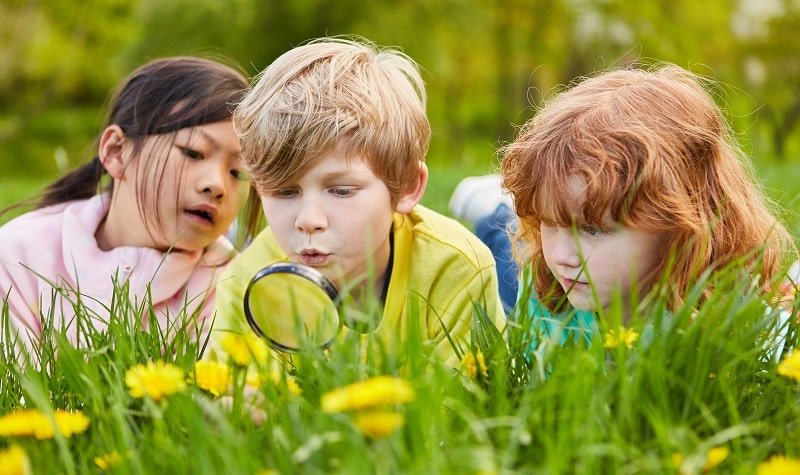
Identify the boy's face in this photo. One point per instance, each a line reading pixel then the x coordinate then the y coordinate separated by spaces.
pixel 335 218
pixel 615 258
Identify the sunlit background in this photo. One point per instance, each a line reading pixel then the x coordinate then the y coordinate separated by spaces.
pixel 487 63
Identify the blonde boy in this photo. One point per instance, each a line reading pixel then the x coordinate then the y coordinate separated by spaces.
pixel 334 133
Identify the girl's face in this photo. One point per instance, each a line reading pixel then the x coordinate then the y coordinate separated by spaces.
pixel 606 258
pixel 203 185
pixel 337 217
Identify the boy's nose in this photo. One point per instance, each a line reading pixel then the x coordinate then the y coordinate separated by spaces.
pixel 310 217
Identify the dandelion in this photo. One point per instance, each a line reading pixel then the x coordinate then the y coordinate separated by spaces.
pixel 715 456
pixel 104 462
pixel 32 422
pixel 14 461
pixel 790 366
pixel 256 380
pixel 378 423
pixel 212 377
pixel 155 380
pixel 245 349
pixel 378 391
pixel 474 362
pixel 626 336
pixel 779 465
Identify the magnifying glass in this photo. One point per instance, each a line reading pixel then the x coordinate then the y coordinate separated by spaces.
pixel 293 306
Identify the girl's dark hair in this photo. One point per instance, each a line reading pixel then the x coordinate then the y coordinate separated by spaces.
pixel 162 96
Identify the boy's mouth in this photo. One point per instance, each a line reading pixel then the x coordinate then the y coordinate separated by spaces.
pixel 314 258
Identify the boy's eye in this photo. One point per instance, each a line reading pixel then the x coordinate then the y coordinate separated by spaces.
pixel 193 154
pixel 284 193
pixel 341 191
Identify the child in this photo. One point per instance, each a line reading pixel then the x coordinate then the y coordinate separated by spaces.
pixel 177 181
pixel 335 135
pixel 482 202
pixel 615 176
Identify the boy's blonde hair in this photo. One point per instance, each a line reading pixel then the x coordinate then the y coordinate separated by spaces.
pixel 655 151
pixel 334 91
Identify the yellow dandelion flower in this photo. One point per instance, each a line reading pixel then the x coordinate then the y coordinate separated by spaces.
pixel 22 423
pixel 14 461
pixel 104 462
pixel 474 362
pixel 31 422
pixel 212 377
pixel 293 387
pixel 155 380
pixel 245 349
pixel 626 336
pixel 378 391
pixel 257 380
pixel 715 457
pixel 779 465
pixel 790 366
pixel 378 423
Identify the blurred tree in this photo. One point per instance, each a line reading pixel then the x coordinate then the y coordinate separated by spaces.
pixel 487 63
pixel 62 52
pixel 59 61
pixel 770 65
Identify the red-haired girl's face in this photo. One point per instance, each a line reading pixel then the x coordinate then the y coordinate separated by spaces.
pixel 595 262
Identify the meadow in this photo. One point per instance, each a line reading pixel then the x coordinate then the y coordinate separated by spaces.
pixel 714 392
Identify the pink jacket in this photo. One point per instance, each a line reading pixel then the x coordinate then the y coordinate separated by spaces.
pixel 57 245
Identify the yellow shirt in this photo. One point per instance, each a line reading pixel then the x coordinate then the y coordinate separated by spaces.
pixel 440 268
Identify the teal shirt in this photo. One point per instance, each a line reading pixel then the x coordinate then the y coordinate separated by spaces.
pixel 577 325
pixel 571 324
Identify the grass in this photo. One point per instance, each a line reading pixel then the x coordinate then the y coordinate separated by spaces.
pixel 706 383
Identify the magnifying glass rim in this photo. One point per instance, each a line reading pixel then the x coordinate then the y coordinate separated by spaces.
pixel 309 273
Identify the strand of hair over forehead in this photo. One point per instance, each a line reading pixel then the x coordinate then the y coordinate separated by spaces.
pixel 630 92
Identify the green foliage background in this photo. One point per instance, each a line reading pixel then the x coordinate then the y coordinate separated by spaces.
pixel 485 61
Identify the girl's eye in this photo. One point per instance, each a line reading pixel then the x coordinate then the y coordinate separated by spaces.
pixel 591 230
pixel 240 175
pixel 193 154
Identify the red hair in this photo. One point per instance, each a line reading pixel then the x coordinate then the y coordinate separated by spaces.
pixel 655 151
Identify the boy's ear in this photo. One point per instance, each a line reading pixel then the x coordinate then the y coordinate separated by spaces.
pixel 413 195
pixel 110 151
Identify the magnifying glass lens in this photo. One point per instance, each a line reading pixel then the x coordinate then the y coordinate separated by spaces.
pixel 290 307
